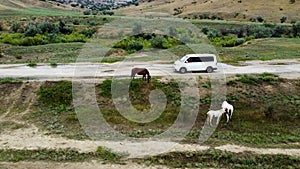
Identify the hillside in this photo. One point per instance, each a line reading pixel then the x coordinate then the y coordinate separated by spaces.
pixel 17 5
pixel 226 9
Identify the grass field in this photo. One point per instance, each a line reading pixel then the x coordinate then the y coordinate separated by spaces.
pixel 58 52
pixel 262 49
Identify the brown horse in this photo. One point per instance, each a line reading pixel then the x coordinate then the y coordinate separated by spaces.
pixel 141 71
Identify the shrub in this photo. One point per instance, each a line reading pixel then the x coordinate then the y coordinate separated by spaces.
pixel 47 27
pixel 296 29
pixel 88 32
pixel 14 39
pixel 283 19
pixel 32 30
pixel 135 45
pixel 16 28
pixel 260 19
pixel 75 22
pixel 227 41
pixel 205 30
pixel 75 37
pixel 87 12
pixel 63 28
pixel 32 64
pixel 56 94
pixel 260 31
pixel 159 42
pixel 213 33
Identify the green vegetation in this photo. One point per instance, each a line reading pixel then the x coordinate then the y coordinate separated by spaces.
pixel 107 155
pixel 56 94
pixel 59 155
pixel 32 64
pixel 262 98
pixel 144 41
pixel 44 33
pixel 58 52
pixel 259 79
pixel 10 80
pixel 264 49
pixel 222 159
pixel 36 11
pixel 111 59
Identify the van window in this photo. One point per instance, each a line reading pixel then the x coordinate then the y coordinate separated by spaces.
pixel 207 59
pixel 193 59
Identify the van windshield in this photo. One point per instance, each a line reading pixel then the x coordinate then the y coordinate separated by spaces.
pixel 183 58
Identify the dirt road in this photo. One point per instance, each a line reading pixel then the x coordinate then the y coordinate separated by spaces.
pixel 284 68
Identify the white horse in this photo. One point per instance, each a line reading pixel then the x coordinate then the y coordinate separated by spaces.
pixel 228 109
pixel 214 113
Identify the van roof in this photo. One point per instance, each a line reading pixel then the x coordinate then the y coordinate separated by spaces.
pixel 200 55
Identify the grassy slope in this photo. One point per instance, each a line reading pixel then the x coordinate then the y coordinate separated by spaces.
pixel 257 99
pixel 228 9
pixel 9 8
pixel 262 49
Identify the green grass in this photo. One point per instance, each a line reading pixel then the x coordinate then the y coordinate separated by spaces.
pixel 262 49
pixel 59 53
pixel 10 80
pixel 57 155
pixel 107 155
pixel 262 118
pixel 37 12
pixel 111 59
pixel 222 159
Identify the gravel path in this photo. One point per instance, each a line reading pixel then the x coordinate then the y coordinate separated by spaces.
pixel 285 68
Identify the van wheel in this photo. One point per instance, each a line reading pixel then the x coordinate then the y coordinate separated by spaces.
pixel 182 70
pixel 209 69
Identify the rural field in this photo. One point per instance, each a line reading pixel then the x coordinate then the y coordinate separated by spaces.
pixel 68 101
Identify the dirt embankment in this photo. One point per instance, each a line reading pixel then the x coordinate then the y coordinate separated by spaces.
pixel 18 100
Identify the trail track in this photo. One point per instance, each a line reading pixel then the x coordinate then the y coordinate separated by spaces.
pixel 285 68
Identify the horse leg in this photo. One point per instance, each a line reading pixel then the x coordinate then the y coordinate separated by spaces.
pixel 132 75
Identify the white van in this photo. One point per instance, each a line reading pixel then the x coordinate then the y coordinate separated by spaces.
pixel 196 62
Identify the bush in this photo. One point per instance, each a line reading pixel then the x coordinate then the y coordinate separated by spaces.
pixel 87 12
pixel 75 22
pixel 283 19
pixel 47 27
pixel 135 46
pixel 16 28
pixel 227 41
pixel 260 19
pixel 32 30
pixel 56 94
pixel 213 33
pixel 88 32
pixel 296 29
pixel 260 31
pixel 159 42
